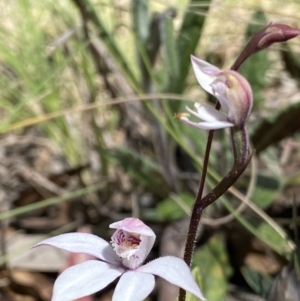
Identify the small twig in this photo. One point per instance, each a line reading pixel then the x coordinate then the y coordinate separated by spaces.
pixel 38 179
pixel 28 139
pixel 2 242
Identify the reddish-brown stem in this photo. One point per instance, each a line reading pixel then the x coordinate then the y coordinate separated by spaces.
pixel 202 203
pixel 230 178
pixel 197 210
pixel 188 252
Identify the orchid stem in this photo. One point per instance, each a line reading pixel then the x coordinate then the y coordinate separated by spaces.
pixel 197 210
pixel 240 144
pixel 230 178
pixel 241 160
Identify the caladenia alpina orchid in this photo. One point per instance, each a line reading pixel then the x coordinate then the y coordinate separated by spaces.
pixel 235 97
pixel 231 89
pixel 130 245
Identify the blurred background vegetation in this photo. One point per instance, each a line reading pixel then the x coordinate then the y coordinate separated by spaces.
pixel 88 93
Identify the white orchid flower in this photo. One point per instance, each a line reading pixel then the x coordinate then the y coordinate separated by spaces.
pixel 131 243
pixel 231 89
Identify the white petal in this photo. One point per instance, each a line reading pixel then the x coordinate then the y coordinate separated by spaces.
pixel 133 286
pixel 209 113
pixel 84 279
pixel 133 225
pixel 220 89
pixel 208 125
pixel 174 270
pixel 83 243
pixel 205 73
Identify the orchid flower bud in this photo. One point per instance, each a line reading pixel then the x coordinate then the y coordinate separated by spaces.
pixel 231 89
pixel 273 33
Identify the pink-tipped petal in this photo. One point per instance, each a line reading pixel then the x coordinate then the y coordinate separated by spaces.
pixel 133 286
pixel 84 279
pixel 205 73
pixel 235 95
pixel 174 270
pixel 83 243
pixel 133 225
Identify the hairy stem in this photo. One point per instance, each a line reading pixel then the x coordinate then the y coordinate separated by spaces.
pixel 240 145
pixel 241 161
pixel 195 217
